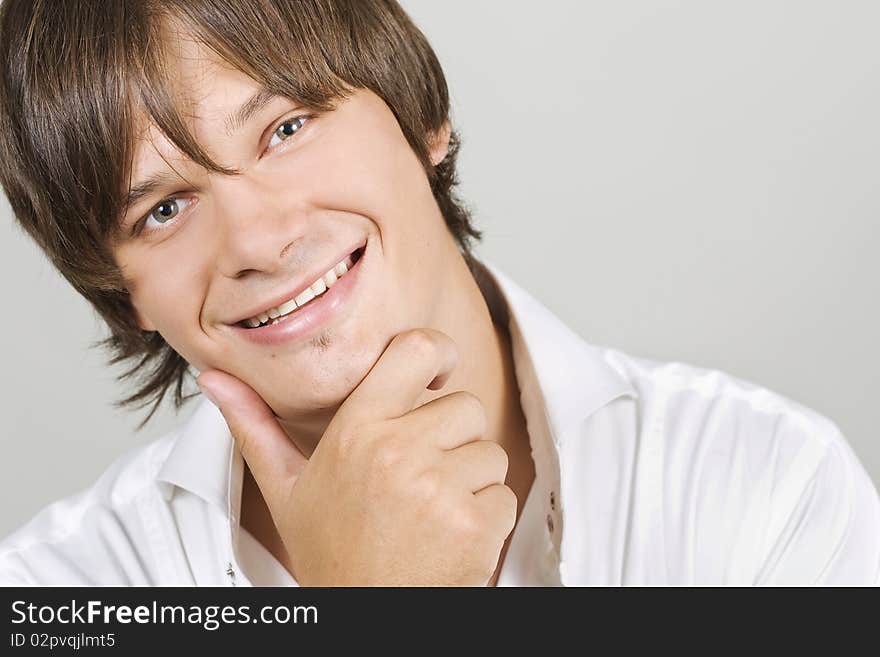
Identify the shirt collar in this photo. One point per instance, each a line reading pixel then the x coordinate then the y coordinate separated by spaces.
pixel 200 459
pixel 562 379
pixel 567 376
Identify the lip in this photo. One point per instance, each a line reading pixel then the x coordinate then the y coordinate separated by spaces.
pixel 308 280
pixel 313 315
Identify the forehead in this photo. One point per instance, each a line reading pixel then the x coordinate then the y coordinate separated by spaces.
pixel 203 85
pixel 205 91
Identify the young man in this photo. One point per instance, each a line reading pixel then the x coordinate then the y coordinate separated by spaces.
pixel 262 192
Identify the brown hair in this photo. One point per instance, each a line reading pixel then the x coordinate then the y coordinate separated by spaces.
pixel 76 74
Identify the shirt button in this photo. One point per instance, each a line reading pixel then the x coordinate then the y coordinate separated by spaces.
pixel 552 500
pixel 550 523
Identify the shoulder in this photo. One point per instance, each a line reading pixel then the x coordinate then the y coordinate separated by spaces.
pixel 95 535
pixel 756 487
pixel 708 410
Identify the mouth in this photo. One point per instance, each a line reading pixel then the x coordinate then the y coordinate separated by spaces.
pixel 291 306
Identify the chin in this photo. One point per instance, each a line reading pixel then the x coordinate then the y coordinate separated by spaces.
pixel 321 384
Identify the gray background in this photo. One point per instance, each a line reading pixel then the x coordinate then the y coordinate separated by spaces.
pixel 692 181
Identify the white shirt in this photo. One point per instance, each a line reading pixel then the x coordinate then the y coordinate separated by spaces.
pixel 647 473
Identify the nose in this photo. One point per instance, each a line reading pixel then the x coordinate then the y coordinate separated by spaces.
pixel 254 223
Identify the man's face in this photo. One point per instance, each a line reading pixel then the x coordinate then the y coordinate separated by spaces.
pixel 217 249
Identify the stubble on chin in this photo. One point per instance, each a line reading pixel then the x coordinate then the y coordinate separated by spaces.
pixel 322 341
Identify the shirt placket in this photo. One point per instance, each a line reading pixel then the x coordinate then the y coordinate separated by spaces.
pixel 235 477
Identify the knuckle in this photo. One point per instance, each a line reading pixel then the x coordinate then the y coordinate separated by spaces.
pixel 502 503
pixel 468 525
pixel 500 455
pixel 467 398
pixel 506 496
pixel 430 485
pixel 509 504
pixel 473 407
pixel 418 342
pixel 388 456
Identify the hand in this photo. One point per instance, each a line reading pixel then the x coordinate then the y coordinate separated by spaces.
pixel 392 494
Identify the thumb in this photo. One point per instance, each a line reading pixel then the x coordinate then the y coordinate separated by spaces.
pixel 271 456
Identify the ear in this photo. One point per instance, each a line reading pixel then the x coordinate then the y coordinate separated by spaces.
pixel 439 143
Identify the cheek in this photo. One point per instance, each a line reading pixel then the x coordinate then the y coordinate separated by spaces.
pixel 169 290
pixel 365 168
pixel 375 174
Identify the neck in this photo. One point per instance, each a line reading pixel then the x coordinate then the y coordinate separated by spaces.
pixel 485 368
pixel 509 430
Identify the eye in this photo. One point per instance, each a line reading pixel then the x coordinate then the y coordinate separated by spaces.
pixel 287 129
pixel 165 212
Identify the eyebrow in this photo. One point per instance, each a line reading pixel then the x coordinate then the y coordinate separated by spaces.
pixel 148 186
pixel 233 122
pixel 247 109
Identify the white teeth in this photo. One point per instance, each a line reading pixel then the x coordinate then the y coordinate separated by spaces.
pixel 304 297
pixel 315 289
pixel 286 307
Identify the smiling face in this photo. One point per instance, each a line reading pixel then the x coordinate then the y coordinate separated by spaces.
pixel 202 252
